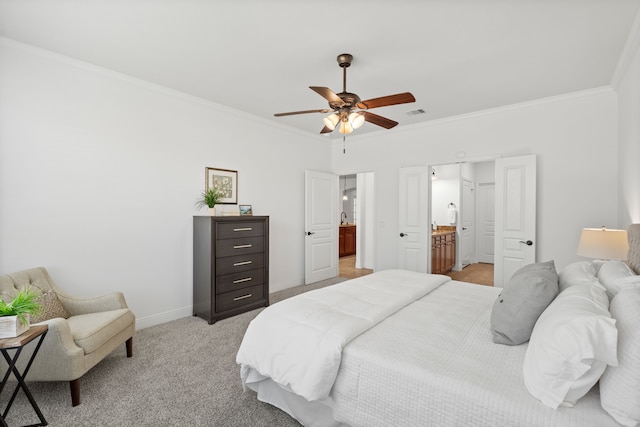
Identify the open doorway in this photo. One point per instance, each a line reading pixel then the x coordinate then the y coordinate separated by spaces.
pixel 463 221
pixel 356 248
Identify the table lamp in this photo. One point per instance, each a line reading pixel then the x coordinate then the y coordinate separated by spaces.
pixel 603 243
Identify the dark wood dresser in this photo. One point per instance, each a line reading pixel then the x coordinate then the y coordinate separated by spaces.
pixel 230 265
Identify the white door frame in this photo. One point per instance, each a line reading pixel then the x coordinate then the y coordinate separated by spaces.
pixel 365 230
pixel 466 235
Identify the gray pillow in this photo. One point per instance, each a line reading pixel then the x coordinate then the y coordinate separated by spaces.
pixel 516 310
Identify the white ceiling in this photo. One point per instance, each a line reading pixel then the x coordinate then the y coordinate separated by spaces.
pixel 258 56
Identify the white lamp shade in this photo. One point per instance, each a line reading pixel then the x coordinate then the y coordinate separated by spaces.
pixel 603 243
pixel 331 121
pixel 356 120
pixel 345 127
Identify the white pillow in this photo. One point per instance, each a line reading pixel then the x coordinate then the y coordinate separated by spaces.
pixel 572 342
pixel 616 275
pixel 620 386
pixel 577 273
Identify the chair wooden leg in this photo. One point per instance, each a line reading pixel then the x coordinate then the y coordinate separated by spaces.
pixel 129 347
pixel 75 392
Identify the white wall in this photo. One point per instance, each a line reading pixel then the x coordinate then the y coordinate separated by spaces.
pixel 628 87
pixel 444 190
pixel 99 174
pixel 350 183
pixel 572 137
pixel 485 172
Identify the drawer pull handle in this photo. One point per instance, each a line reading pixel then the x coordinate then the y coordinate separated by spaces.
pixel 242 297
pixel 246 279
pixel 241 246
pixel 236 264
pixel 243 229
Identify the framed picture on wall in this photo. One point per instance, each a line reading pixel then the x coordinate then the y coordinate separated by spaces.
pixel 226 181
pixel 246 210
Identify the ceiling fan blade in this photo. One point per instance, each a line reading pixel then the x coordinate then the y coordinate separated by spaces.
pixel 399 98
pixel 327 94
pixel 302 112
pixel 379 120
pixel 326 130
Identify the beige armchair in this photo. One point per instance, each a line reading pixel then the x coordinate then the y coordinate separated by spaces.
pixel 94 327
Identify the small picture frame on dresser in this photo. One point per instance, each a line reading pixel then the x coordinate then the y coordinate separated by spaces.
pixel 246 210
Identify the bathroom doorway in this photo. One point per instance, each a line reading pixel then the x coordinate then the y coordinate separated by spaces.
pixel 356 228
pixel 465 189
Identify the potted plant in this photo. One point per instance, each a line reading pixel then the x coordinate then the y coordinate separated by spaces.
pixel 209 198
pixel 14 316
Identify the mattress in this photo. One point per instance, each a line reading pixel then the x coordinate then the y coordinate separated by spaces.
pixel 434 364
pixel 298 342
pixel 430 363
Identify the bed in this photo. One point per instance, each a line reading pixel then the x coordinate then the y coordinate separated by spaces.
pixel 405 349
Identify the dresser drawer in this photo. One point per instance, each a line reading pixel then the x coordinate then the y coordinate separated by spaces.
pixel 233 264
pixel 242 246
pixel 243 279
pixel 239 298
pixel 240 229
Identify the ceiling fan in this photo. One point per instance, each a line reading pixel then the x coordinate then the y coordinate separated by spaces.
pixel 345 116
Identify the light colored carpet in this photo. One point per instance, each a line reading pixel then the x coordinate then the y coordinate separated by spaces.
pixel 182 373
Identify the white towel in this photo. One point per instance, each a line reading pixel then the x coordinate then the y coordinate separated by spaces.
pixel 452 215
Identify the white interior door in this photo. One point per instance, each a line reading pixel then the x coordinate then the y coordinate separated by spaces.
pixel 486 222
pixel 468 231
pixel 515 216
pixel 413 217
pixel 321 226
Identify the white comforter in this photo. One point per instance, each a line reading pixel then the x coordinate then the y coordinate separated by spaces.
pixel 298 342
pixel 434 364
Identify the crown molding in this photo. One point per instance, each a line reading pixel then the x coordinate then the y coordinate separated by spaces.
pixel 154 87
pixel 511 107
pixel 629 53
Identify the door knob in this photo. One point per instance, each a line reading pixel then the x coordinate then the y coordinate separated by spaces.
pixel 403 234
pixel 528 242
pixel 309 233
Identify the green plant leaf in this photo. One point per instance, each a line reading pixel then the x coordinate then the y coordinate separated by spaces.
pixel 209 198
pixel 23 303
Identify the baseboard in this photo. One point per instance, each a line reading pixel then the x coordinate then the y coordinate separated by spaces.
pixel 167 316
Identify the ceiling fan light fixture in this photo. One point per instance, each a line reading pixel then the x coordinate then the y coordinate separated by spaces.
pixel 356 120
pixel 345 127
pixel 331 121
pixel 344 103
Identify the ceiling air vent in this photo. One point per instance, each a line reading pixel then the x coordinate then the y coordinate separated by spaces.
pixel 416 112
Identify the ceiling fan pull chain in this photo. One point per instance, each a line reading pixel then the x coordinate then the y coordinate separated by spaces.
pixel 344 144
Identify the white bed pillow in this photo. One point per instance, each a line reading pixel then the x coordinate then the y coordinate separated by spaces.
pixel 620 386
pixel 616 275
pixel 577 273
pixel 572 343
